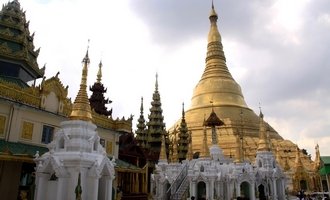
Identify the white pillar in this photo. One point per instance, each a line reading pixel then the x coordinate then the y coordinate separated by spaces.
pixel 193 191
pixel 252 191
pixel 207 185
pixel 91 191
pixel 41 186
pixel 109 188
pixel 230 190
pixel 61 188
pixel 211 189
pixel 282 188
pixel 274 189
pixel 238 189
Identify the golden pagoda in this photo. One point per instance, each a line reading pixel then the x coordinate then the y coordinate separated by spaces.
pixel 218 91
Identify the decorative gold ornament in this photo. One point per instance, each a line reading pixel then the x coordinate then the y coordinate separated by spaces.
pixel 27 130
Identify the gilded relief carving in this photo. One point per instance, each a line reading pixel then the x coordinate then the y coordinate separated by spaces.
pixel 2 124
pixel 109 147
pixel 108 122
pixel 12 91
pixel 27 130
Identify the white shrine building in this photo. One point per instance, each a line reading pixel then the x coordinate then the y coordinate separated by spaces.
pixel 213 176
pixel 76 166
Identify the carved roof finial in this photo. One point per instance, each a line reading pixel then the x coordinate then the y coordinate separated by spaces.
pixel 99 73
pixel 213 14
pixel 156 85
pixel 261 115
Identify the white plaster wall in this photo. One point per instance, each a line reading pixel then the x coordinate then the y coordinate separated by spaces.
pixel 52 102
pixel 52 190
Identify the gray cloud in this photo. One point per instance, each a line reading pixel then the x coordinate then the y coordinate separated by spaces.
pixel 291 81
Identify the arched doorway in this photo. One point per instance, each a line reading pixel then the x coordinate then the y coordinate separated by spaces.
pixel 201 191
pixel 168 185
pixel 303 185
pixel 261 192
pixel 245 189
pixel 324 185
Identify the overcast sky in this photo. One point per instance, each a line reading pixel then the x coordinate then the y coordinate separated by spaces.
pixel 278 51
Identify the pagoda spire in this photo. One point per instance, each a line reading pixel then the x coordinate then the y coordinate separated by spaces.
pixel 263 144
pixel 298 163
pixel 175 147
pixel 190 153
pixel 81 110
pixel 156 125
pixel 162 154
pixel 156 84
pixel 183 137
pixel 278 155
pixel 99 73
pixel 215 56
pixel 238 151
pixel 205 150
pixel 141 128
pixel 317 158
pixel 216 81
pixel 97 100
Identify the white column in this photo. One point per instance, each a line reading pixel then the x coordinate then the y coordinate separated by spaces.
pixel 238 189
pixel 41 186
pixel 109 188
pixel 194 192
pixel 61 188
pixel 252 191
pixel 282 188
pixel 208 189
pixel 211 189
pixel 274 189
pixel 91 191
pixel 230 190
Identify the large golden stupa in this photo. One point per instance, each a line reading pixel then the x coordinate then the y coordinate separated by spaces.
pixel 239 137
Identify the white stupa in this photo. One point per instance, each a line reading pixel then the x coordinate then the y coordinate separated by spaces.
pixel 76 166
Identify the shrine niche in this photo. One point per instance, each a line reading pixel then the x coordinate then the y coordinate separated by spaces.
pixel 54 96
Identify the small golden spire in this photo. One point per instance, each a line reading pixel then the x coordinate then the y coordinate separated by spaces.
pixel 214 35
pixel 190 149
pixel 99 73
pixel 317 158
pixel 286 166
pixel 81 109
pixel 298 162
pixel 205 150
pixel 263 144
pixel 213 13
pixel 175 147
pixel 278 155
pixel 162 154
pixel 215 57
pixel 238 152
